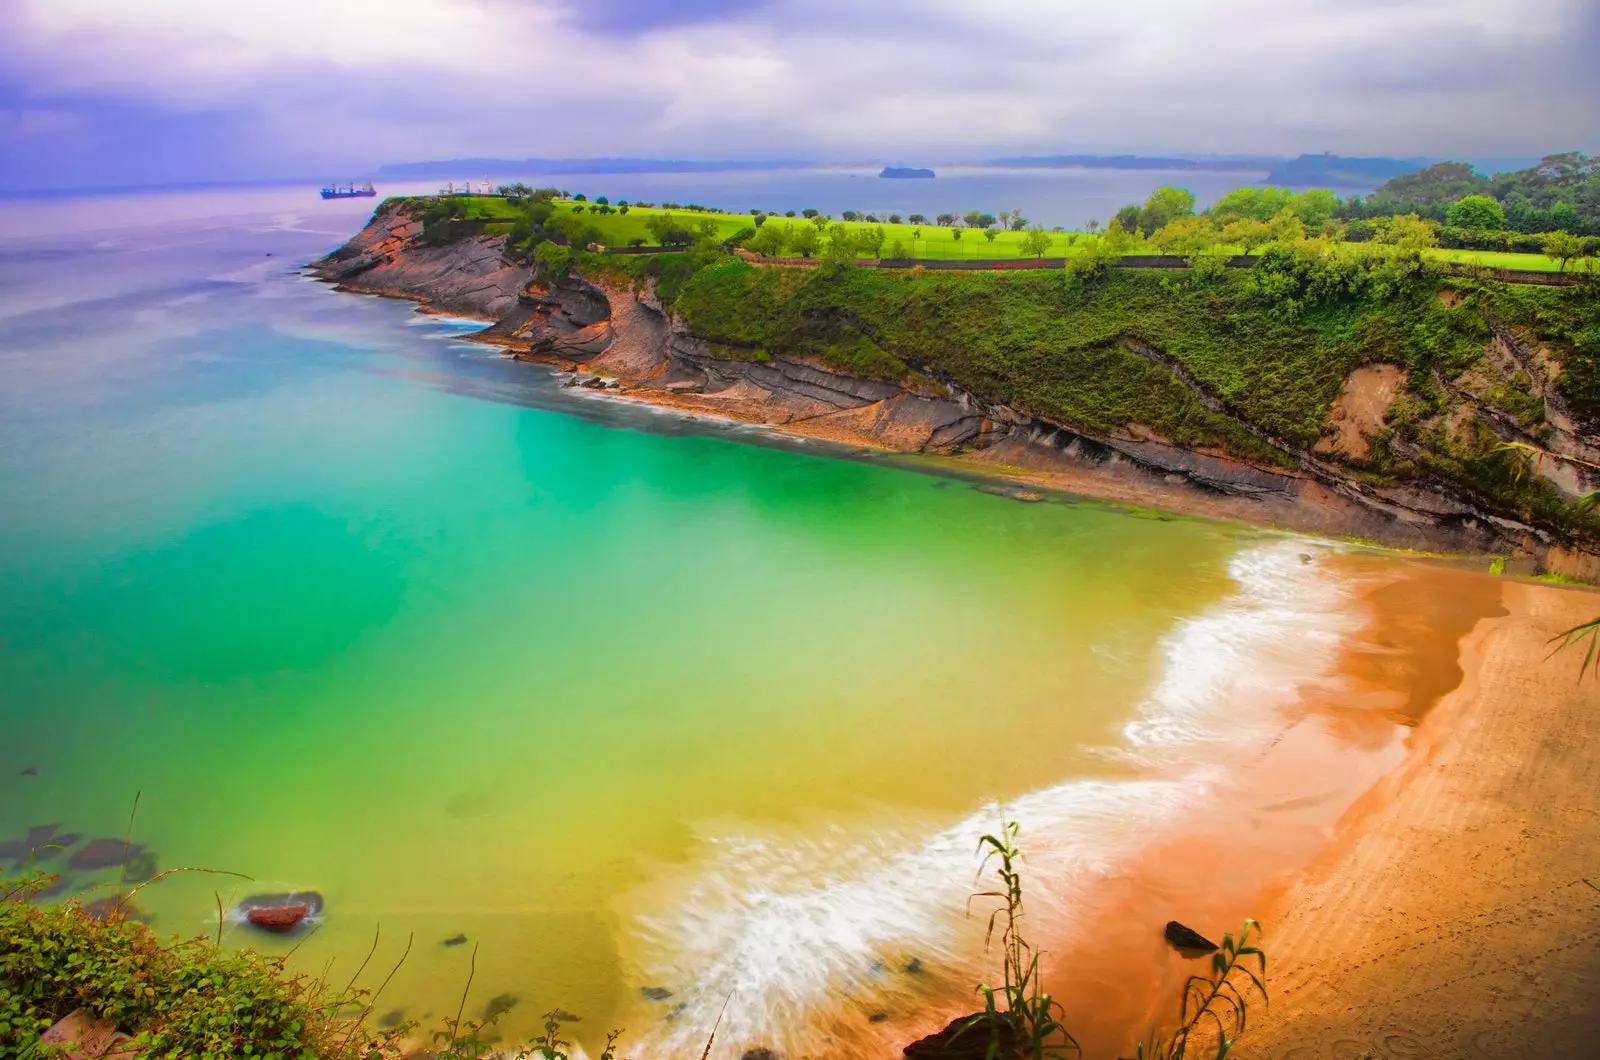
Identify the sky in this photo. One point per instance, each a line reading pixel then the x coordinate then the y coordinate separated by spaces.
pixel 111 92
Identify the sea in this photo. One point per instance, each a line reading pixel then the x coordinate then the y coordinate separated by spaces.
pixel 567 705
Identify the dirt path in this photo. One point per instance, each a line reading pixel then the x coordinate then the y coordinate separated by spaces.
pixel 1458 913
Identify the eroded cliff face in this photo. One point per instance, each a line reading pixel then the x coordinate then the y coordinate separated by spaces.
pixel 624 338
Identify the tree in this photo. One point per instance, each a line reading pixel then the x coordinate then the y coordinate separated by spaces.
pixel 580 197
pixel 990 234
pixel 1287 227
pixel 1118 240
pixel 1248 233
pixel 916 219
pixel 978 219
pixel 759 219
pixel 850 215
pixel 788 213
pixel 807 214
pixel 1476 211
pixel 1186 235
pixel 897 250
pixel 841 243
pixel 916 234
pixel 820 221
pixel 955 234
pixel 869 241
pixel 894 218
pixel 623 210
pixel 602 200
pixel 1165 205
pixel 1255 204
pixel 1563 246
pixel 770 240
pixel 1314 207
pixel 946 220
pixel 1128 217
pixel 1036 242
pixel 1408 232
pixel 805 239
pixel 1018 222
pixel 1092 226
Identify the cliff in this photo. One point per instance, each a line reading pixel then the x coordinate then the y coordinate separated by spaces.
pixel 1382 414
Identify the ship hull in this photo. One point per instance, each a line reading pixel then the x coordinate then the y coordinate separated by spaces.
pixel 363 194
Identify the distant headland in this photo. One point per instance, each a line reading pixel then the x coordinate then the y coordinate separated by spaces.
pixel 906 173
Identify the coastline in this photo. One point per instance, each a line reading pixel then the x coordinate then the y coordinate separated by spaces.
pixel 1454 912
pixel 634 349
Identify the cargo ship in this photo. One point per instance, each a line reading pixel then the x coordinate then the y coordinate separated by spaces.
pixel 349 191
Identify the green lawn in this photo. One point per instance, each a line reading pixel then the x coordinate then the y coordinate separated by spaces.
pixel 934 242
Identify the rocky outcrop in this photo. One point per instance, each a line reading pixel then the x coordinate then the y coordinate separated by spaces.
pixel 623 337
pixel 468 276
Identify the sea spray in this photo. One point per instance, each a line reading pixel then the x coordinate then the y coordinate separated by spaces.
pixel 803 934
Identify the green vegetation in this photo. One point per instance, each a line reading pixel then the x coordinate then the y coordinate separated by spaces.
pixel 1242 361
pixel 180 999
pixel 1562 192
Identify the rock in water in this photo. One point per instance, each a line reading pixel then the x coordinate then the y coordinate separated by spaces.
pixel 104 853
pixel 455 940
pixel 1188 941
pixel 279 918
pixel 281 913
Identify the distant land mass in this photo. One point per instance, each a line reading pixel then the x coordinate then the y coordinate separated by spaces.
pixel 1339 171
pixel 476 167
pixel 1240 162
pixel 906 173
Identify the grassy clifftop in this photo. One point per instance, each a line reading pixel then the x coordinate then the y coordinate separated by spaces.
pixel 1250 362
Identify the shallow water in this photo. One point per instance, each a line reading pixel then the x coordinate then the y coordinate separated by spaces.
pixel 653 715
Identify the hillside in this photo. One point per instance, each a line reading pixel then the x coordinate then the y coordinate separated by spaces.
pixel 1364 395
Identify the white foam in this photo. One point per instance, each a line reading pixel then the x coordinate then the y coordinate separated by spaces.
pixel 788 927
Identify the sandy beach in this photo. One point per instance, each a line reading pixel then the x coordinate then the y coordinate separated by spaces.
pixel 1457 912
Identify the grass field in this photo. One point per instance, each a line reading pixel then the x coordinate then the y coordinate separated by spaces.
pixel 934 242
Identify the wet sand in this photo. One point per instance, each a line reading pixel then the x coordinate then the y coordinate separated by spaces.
pixel 1457 913
pixel 1270 817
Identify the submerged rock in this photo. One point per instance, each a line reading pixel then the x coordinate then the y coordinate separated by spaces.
pixel 499 1005
pixel 455 940
pixel 391 1019
pixel 91 1035
pixel 914 966
pixel 654 993
pixel 104 853
pixel 1188 941
pixel 31 771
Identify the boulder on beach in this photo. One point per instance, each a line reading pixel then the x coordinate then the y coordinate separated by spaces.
pixel 967 1038
pixel 1188 941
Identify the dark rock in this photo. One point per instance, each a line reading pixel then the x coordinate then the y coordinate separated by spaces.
pixel 654 993
pixel 140 867
pixel 281 913
pixel 392 1018
pixel 104 853
pixel 1188 941
pixel 593 383
pixel 914 966
pixel 279 918
pixel 967 1038
pixel 31 771
pixel 455 940
pixel 499 1005
pixel 878 1017
pixel 760 1052
pixel 565 1017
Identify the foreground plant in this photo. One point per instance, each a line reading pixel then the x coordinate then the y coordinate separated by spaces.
pixel 1215 1005
pixel 1030 1013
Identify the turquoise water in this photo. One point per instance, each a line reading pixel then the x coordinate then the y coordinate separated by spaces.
pixel 351 605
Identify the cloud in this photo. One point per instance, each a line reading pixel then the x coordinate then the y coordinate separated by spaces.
pixel 353 84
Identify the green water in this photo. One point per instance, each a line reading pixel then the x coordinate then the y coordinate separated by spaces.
pixel 272 562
